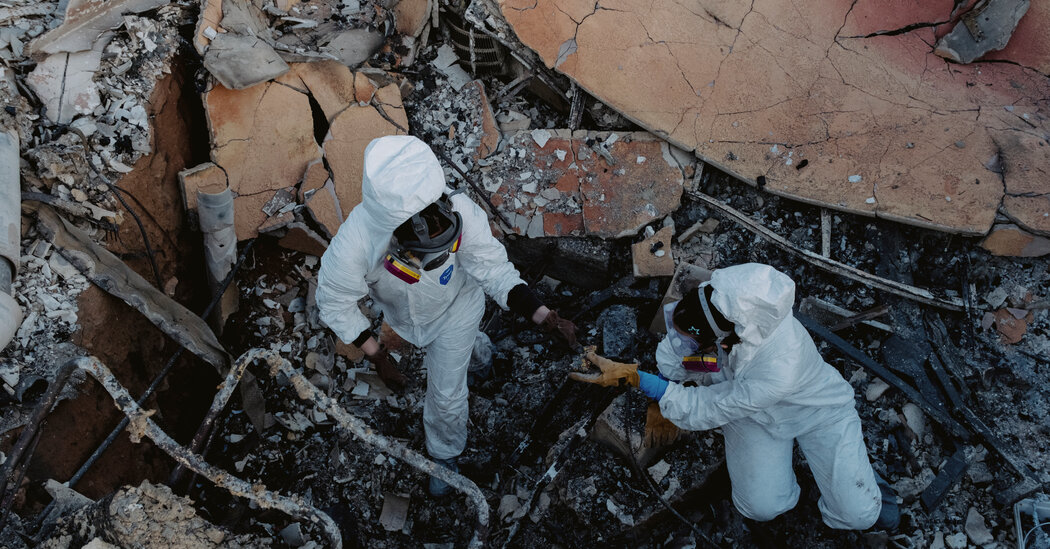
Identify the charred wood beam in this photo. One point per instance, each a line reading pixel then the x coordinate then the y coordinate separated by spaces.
pixel 881 371
pixel 366 434
pixel 897 288
pixel 950 474
pixel 142 426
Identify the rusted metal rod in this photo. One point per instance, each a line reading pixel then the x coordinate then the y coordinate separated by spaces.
pixel 358 428
pixel 140 425
pixel 218 404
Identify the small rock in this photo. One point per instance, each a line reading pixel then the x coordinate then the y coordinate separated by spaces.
pixel 293 535
pixel 996 297
pixel 915 419
pixel 956 541
pixel 541 137
pixel 508 506
pixel 394 513
pixel 938 540
pixel 659 471
pixel 875 390
pixel 976 529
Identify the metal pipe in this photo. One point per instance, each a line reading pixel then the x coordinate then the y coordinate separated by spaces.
pixel 142 426
pixel 307 391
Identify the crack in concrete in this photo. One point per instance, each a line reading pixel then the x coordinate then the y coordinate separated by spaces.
pixel 903 30
pixel 533 6
pixel 739 31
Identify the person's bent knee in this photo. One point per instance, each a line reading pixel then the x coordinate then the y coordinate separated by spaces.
pixel 860 516
pixel 761 510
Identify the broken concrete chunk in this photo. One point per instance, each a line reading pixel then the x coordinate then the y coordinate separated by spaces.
pixel 624 440
pixel 986 27
pixel 976 529
pixel 207 24
pixel 915 419
pixel 64 82
pixel 706 226
pixel 411 16
pixel 239 61
pixel 645 259
pixel 394 513
pixel 303 239
pixel 490 133
pixel 323 206
pixel 448 63
pixel 876 389
pixel 86 21
pixel 352 47
pixel 1011 240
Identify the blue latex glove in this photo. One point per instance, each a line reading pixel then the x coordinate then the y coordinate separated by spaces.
pixel 652 386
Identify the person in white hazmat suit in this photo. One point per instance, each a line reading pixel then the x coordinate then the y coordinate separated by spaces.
pixel 761 380
pixel 426 256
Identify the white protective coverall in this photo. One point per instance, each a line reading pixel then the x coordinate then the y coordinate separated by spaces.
pixel 775 389
pixel 442 311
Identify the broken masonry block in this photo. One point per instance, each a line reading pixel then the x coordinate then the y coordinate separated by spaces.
pixel 652 256
pixel 684 89
pixel 323 206
pixel 240 62
pixel 986 27
pixel 706 226
pixel 303 239
pixel 613 431
pixel 1011 240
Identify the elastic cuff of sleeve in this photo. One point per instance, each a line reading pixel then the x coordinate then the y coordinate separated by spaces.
pixel 522 301
pixel 361 339
pixel 651 385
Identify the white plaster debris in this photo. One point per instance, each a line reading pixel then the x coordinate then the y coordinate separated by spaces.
pixel 870 200
pixel 855 179
pixel 541 137
pixel 560 154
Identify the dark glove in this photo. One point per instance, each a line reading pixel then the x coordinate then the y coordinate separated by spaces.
pixel 564 328
pixel 659 431
pixel 388 370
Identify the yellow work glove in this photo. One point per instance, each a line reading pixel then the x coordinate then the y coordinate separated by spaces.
pixel 659 431
pixel 611 372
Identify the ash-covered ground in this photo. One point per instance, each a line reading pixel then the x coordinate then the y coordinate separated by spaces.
pixel 599 497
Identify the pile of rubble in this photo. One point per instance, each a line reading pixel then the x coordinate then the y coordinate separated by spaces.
pixel 607 164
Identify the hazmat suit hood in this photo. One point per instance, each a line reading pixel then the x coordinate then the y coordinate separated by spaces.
pixel 756 298
pixel 401 177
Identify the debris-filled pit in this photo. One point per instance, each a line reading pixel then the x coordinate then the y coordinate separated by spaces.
pixel 184 166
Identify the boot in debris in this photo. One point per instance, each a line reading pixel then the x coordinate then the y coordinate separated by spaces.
pixel 438 487
pixel 890 516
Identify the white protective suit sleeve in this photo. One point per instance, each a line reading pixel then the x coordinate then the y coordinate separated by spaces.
pixel 483 257
pixel 341 284
pixel 757 299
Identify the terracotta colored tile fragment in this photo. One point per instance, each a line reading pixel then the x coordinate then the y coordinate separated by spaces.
pixel 262 136
pixel 1011 240
pixel 411 16
pixel 323 207
pixel 199 177
pixel 648 263
pixel 302 239
pixel 1011 328
pixel 351 131
pixel 570 183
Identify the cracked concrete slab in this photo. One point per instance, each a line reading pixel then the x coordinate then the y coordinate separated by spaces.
pixel 841 104
pixel 560 183
pixel 265 140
